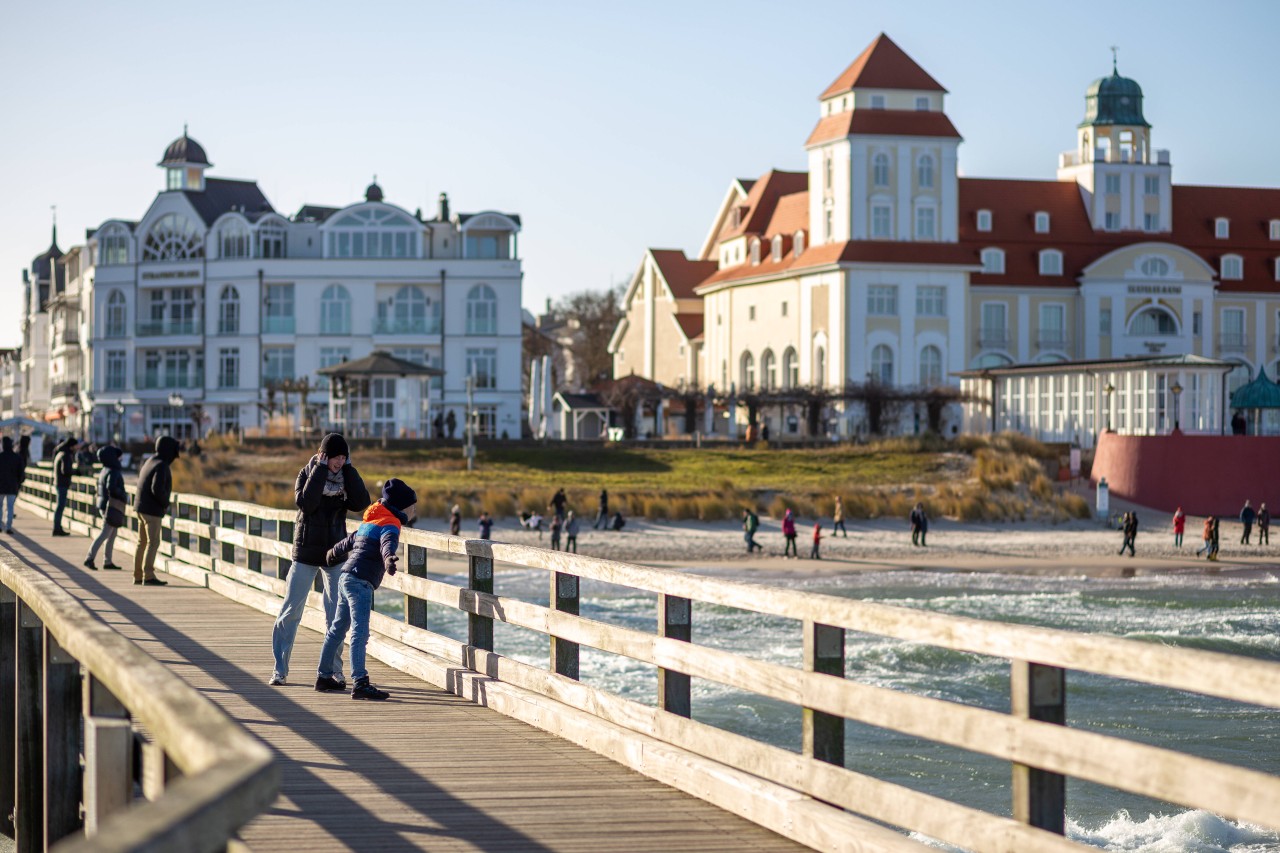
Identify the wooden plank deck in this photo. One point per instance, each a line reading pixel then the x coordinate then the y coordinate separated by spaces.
pixel 427 770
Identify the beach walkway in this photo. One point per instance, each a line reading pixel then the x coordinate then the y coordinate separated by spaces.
pixel 427 770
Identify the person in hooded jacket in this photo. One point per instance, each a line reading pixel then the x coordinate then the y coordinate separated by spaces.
pixel 155 487
pixel 112 499
pixel 24 450
pixel 327 488
pixel 64 468
pixel 12 472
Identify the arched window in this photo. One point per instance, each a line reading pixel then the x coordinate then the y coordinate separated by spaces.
pixel 1153 321
pixel 880 170
pixel 768 371
pixel 117 324
pixel 1154 267
pixel 113 245
pixel 776 253
pixel 990 359
pixel 924 171
pixel 233 239
pixel 335 310
pixel 790 369
pixel 229 310
pixel 882 365
pixel 406 313
pixel 482 311
pixel 271 239
pixel 172 238
pixel 1232 267
pixel 372 232
pixel 820 367
pixel 993 261
pixel 1051 262
pixel 747 371
pixel 930 367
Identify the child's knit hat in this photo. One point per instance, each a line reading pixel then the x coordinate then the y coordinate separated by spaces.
pixel 398 495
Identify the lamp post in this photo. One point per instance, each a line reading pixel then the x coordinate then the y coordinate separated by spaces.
pixel 470 447
pixel 1176 388
pixel 1109 390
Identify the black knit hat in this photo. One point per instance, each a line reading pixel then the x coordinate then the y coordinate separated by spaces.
pixel 398 495
pixel 334 445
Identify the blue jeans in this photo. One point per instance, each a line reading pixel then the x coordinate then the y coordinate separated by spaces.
pixel 9 501
pixel 302 577
pixel 354 608
pixel 62 505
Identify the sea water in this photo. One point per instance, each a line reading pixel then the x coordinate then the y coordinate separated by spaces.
pixel 1220 614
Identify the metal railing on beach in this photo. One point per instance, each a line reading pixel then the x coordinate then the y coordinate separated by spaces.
pixel 242 551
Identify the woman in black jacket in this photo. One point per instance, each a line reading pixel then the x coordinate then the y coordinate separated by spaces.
pixel 112 500
pixel 328 486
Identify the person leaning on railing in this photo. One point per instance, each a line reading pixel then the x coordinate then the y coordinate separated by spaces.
pixel 155 487
pixel 327 487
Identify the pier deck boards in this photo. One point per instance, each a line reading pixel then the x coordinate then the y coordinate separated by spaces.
pixel 427 770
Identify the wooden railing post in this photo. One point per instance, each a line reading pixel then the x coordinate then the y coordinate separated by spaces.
pixel 480 579
pixel 1039 693
pixel 675 620
pixel 29 807
pixel 62 697
pixel 8 707
pixel 824 653
pixel 108 755
pixel 564 597
pixel 415 609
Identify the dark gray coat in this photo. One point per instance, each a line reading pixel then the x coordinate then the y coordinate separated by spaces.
pixel 322 521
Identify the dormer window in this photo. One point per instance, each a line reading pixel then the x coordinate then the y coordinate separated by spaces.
pixel 755 250
pixel 993 261
pixel 776 253
pixel 877 102
pixel 1222 228
pixel 984 220
pixel 1050 262
pixel 1277 269
pixel 799 243
pixel 1042 222
pixel 1232 268
pixel 922 104
pixel 1275 229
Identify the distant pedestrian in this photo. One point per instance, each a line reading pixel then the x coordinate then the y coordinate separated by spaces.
pixel 1247 517
pixel 618 521
pixel 1217 538
pixel 47 447
pixel 64 468
pixel 1264 525
pixel 111 502
pixel 486 525
pixel 764 432
pixel 1179 526
pixel 558 501
pixel 837 518
pixel 557 524
pixel 1130 530
pixel 602 514
pixel 455 521
pixel 571 532
pixel 919 525
pixel 155 487
pixel 789 533
pixel 12 472
pixel 1207 550
pixel 1239 426
pixel 451 423
pixel 817 539
pixel 750 524
pixel 24 450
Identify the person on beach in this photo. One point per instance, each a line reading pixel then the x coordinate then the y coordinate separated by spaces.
pixel 1247 517
pixel 12 472
pixel 155 487
pixel 486 525
pixel 111 502
pixel 558 501
pixel 837 518
pixel 571 532
pixel 326 489
pixel 557 524
pixel 364 556
pixel 750 524
pixel 1207 550
pixel 817 539
pixel 1217 541
pixel 618 521
pixel 455 521
pixel 1264 525
pixel 789 533
pixel 1130 529
pixel 64 468
pixel 919 525
pixel 1179 525
pixel 602 513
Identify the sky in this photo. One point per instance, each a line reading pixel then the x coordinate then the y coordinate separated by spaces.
pixel 609 127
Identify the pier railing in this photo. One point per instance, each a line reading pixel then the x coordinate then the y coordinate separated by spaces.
pixel 242 551
pixel 90 720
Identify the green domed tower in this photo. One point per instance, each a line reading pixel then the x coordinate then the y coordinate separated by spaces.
pixel 1113 100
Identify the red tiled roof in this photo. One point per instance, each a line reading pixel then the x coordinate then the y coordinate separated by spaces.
pixel 681 274
pixel 883 65
pixel 853 251
pixel 690 323
pixel 882 123
pixel 762 199
pixel 1250 212
pixel 790 214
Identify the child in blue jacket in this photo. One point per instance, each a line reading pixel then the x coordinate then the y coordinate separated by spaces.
pixel 368 551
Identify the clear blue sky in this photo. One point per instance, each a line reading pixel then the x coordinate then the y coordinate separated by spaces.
pixel 609 127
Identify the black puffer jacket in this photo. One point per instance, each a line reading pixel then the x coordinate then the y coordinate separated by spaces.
pixel 111 480
pixel 12 471
pixel 64 463
pixel 155 483
pixel 322 521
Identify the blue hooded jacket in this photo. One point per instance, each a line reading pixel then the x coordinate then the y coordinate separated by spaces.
pixel 370 549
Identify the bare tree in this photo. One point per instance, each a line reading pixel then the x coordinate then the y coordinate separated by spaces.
pixel 596 314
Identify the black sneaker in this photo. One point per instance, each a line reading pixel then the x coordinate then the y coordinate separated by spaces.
pixel 325 684
pixel 88 564
pixel 154 582
pixel 365 690
pixel 60 532
pixel 112 567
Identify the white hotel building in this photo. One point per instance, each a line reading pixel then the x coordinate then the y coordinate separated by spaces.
pixel 213 297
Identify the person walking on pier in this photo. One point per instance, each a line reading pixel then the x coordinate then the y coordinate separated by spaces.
pixel 112 500
pixel 327 488
pixel 602 514
pixel 12 472
pixel 1179 527
pixel 155 487
pixel 64 468
pixel 789 533
pixel 1247 517
pixel 364 555
pixel 750 524
pixel 571 532
pixel 1264 525
pixel 837 518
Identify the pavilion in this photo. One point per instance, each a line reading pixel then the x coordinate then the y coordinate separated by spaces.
pixel 380 396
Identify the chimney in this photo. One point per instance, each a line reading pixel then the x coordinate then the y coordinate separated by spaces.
pixel 443 215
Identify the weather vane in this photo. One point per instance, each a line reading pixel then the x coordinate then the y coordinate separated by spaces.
pixel 1114 48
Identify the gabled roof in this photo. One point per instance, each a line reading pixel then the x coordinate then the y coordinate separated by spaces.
pixel 790 215
pixel 869 122
pixel 221 195
pixel 379 363
pixel 852 251
pixel 691 324
pixel 883 65
pixel 681 274
pixel 761 200
pixel 579 402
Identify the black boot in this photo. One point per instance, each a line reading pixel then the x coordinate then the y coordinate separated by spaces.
pixel 325 684
pixel 365 690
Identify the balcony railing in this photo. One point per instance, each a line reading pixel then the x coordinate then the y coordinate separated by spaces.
pixel 1052 339
pixel 1233 342
pixel 65 389
pixel 69 337
pixel 277 325
pixel 154 328
pixel 394 326
pixel 165 381
pixel 993 338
